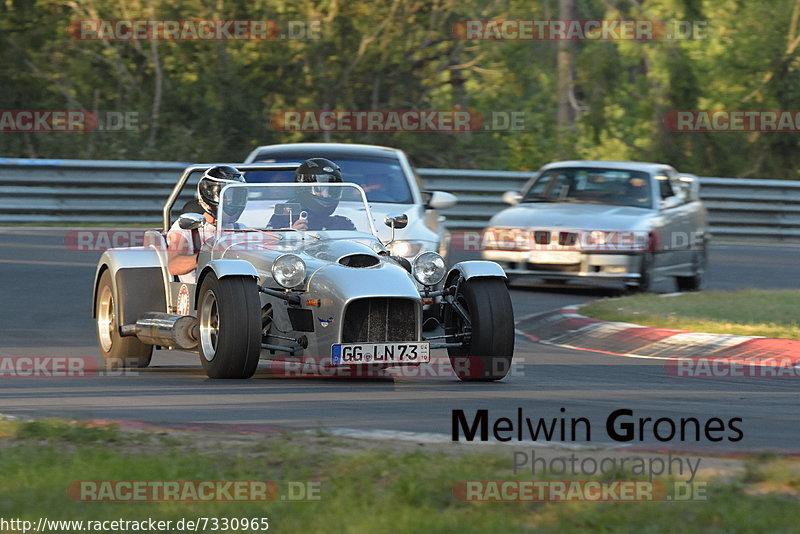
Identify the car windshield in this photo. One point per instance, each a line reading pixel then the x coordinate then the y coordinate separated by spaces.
pixel 294 208
pixel 382 179
pixel 593 186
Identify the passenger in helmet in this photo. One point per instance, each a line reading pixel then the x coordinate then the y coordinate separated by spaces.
pixel 317 202
pixel 181 253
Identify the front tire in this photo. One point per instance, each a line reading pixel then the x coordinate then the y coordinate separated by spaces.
pixel 696 281
pixel 645 283
pixel 229 314
pixel 487 356
pixel 117 351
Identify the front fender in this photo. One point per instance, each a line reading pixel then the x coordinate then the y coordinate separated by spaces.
pixel 475 269
pixel 227 267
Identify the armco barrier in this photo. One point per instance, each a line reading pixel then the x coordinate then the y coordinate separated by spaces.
pixel 115 192
pixel 75 191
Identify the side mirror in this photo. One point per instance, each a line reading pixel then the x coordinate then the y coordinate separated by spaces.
pixel 671 202
pixel 441 200
pixel 191 221
pixel 512 197
pixel 396 221
pixel 692 184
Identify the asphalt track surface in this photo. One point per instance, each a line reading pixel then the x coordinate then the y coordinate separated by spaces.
pixel 46 302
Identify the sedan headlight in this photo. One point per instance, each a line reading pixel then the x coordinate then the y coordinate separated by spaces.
pixel 405 249
pixel 428 268
pixel 507 239
pixel 599 238
pixel 289 270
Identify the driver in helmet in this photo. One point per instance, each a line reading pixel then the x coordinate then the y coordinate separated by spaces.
pixel 181 245
pixel 317 203
pixel 637 193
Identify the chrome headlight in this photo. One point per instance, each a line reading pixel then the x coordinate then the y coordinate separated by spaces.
pixel 428 268
pixel 405 249
pixel 289 270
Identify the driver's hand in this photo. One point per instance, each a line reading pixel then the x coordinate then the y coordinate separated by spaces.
pixel 301 224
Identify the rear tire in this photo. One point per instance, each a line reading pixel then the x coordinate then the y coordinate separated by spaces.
pixel 487 357
pixel 117 351
pixel 229 315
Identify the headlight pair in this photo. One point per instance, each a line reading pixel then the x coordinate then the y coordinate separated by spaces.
pixel 289 270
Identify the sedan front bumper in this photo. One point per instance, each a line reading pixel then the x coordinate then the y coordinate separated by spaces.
pixel 572 264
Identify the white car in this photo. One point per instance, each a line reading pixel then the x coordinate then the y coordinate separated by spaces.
pixel 603 221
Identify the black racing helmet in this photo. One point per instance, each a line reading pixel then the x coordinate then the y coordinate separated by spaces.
pixel 321 201
pixel 210 185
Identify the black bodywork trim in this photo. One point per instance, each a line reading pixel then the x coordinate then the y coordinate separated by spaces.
pixel 139 290
pixel 302 320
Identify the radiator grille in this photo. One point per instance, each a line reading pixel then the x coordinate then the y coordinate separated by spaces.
pixel 567 239
pixel 380 319
pixel 541 237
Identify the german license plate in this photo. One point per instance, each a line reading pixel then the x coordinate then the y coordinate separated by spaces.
pixel 555 256
pixel 364 353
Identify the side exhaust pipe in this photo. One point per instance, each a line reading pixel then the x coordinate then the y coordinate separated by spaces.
pixel 164 329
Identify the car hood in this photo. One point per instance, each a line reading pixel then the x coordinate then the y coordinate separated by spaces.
pixel 572 216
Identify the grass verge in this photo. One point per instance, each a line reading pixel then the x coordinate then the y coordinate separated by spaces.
pixel 371 487
pixel 744 312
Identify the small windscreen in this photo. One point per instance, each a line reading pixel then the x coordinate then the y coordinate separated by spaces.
pixel 294 207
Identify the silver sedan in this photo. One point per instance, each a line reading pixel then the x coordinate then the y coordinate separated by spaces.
pixel 603 221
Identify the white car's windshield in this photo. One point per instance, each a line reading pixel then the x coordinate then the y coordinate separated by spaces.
pixel 592 185
pixel 382 179
pixel 295 208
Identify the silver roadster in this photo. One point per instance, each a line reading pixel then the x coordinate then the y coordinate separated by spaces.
pixel 603 221
pixel 268 290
